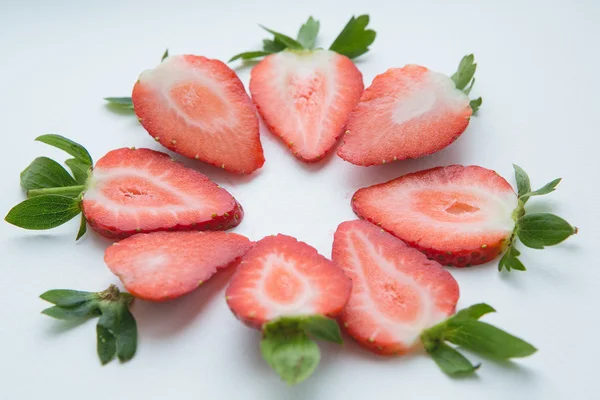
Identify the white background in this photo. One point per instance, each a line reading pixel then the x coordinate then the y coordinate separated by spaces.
pixel 538 75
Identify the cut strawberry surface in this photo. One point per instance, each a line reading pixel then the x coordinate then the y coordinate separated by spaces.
pixel 396 291
pixel 456 215
pixel 305 98
pixel 282 277
pixel 305 95
pixel 162 266
pixel 408 112
pixel 198 107
pixel 141 190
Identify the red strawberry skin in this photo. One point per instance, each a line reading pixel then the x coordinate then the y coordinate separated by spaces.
pixel 162 266
pixel 407 112
pixel 142 190
pixel 305 98
pixel 456 215
pixel 198 107
pixel 396 291
pixel 281 276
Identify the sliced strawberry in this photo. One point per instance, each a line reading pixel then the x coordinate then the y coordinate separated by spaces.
pixel 281 276
pixel 143 190
pixel 162 266
pixel 396 291
pixel 407 112
pixel 456 215
pixel 198 107
pixel 305 98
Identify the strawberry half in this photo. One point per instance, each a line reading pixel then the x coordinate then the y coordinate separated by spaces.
pixel 162 266
pixel 282 277
pixel 198 107
pixel 401 301
pixel 128 191
pixel 143 190
pixel 396 293
pixel 288 290
pixel 305 95
pixel 409 112
pixel 460 216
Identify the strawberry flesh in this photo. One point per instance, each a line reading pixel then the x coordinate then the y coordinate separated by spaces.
pixel 162 266
pixel 457 215
pixel 396 291
pixel 142 190
pixel 407 112
pixel 281 276
pixel 198 107
pixel 305 98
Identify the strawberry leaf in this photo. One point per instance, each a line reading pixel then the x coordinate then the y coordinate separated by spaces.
pixel 288 41
pixel 510 260
pixel 322 328
pixel 79 169
pixel 466 71
pixel 44 172
pixel 307 36
pixel 272 46
pixel 82 227
pixel 74 313
pixel 249 55
pixel 67 298
pixel 543 229
pixel 293 356
pixel 451 361
pixel 464 329
pixel 546 189
pixel 71 147
pixel 43 212
pixel 474 312
pixel 116 330
pixel 123 103
pixel 488 340
pixel 475 104
pixel 355 39
pixel 106 344
pixel 523 183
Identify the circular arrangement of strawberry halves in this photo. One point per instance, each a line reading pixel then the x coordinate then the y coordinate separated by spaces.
pixel 385 283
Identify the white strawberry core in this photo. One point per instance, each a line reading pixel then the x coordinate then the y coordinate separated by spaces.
pixel 433 91
pixel 127 192
pixel 398 296
pixel 310 80
pixel 194 93
pixel 282 290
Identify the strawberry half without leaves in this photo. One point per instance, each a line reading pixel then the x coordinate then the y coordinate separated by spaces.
pixel 162 266
pixel 409 112
pixel 289 291
pixel 198 107
pixel 402 301
pixel 461 216
pixel 305 95
pixel 116 330
pixel 128 191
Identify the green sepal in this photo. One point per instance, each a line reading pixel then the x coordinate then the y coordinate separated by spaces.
pixel 355 39
pixel 116 330
pixel 543 229
pixel 307 35
pixel 71 147
pixel 464 329
pixel 43 212
pixel 287 344
pixel 44 172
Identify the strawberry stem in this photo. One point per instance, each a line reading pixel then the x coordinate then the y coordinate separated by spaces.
pixel 69 191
